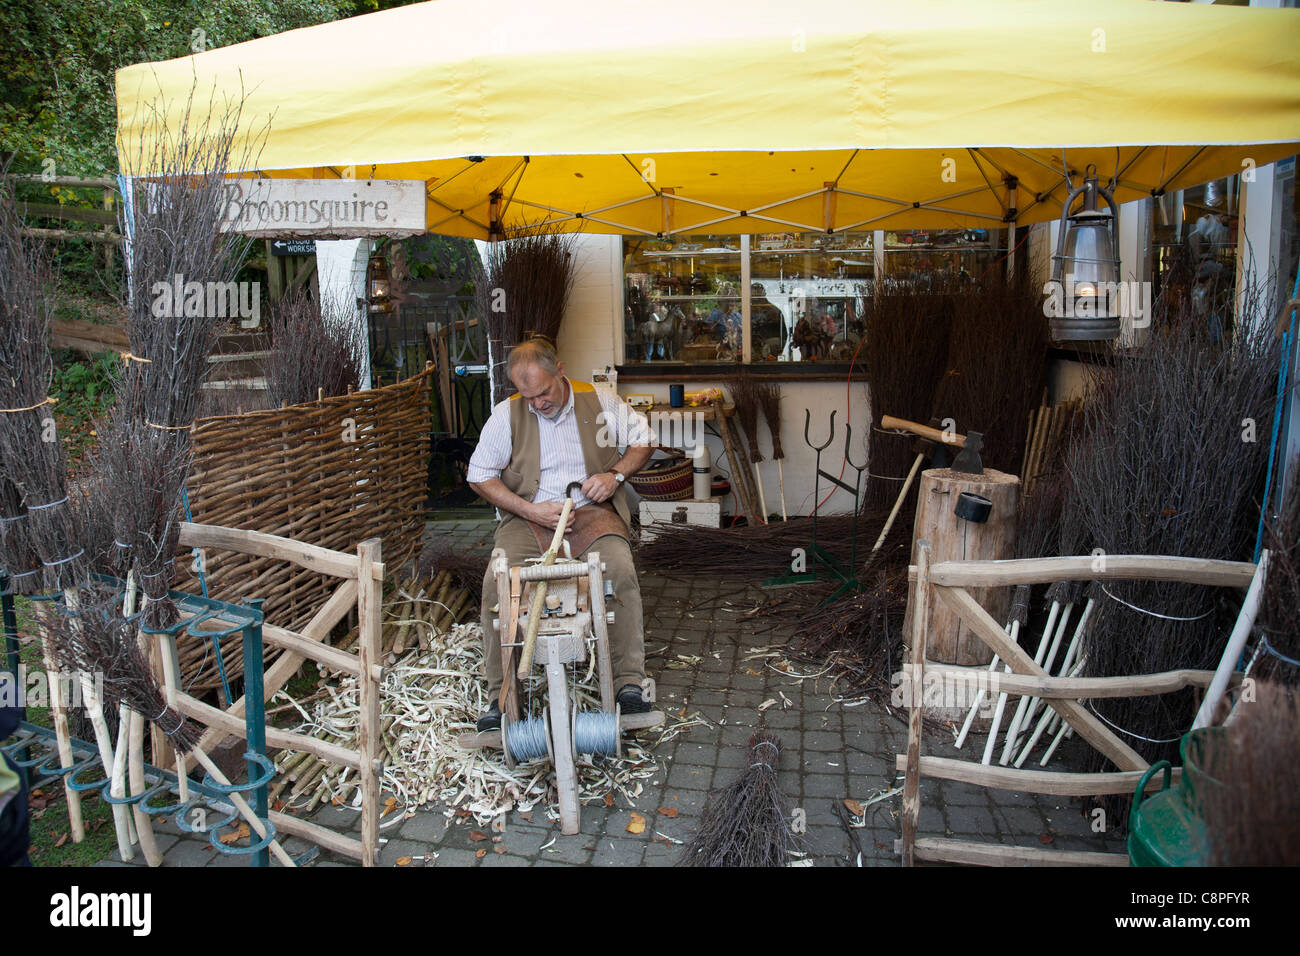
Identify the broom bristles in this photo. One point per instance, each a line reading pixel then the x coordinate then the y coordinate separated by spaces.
pixel 1250 814
pixel 768 395
pixel 747 823
pixel 96 640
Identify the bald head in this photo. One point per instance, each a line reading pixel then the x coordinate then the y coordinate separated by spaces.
pixel 538 376
pixel 534 352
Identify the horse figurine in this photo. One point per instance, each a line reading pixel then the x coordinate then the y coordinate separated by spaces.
pixel 662 333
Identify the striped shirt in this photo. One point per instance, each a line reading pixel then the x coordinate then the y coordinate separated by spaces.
pixel 562 461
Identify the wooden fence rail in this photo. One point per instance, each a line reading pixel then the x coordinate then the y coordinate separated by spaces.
pixel 325 474
pixel 361 587
pixel 947 582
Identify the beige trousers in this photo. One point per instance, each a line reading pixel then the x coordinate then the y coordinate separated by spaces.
pixel 626 634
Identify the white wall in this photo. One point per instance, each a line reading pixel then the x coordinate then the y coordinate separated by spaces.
pixel 590 339
pixel 341 276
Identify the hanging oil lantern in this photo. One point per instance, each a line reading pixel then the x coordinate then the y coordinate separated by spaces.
pixel 1084 302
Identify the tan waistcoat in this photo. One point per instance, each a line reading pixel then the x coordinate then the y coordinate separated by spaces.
pixel 523 474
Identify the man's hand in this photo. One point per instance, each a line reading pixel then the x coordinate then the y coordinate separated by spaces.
pixel 600 487
pixel 547 514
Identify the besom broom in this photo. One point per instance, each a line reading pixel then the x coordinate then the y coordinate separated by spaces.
pixel 747 823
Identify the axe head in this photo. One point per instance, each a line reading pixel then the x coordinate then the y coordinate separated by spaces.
pixel 936 453
pixel 968 459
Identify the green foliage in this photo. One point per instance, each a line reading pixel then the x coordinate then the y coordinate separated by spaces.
pixel 84 390
pixel 444 259
pixel 58 59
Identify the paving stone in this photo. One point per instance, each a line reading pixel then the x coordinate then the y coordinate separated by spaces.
pixel 692 753
pixel 970 821
pixel 684 776
pixel 774 718
pixel 823 741
pixel 569 849
pixel 736 735
pixel 618 853
pixel 932 819
pixel 1020 822
pixel 659 853
pixel 394 850
pixel 454 857
pixel 730 757
pixel 826 841
pixel 824 785
pixel 505 859
pixel 744 699
pixel 341 819
pixel 964 795
pixel 866 765
pixel 425 827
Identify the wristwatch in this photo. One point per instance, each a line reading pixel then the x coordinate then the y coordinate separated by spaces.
pixel 618 475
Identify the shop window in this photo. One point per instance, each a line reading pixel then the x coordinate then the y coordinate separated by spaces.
pixel 924 259
pixel 1194 251
pixel 684 297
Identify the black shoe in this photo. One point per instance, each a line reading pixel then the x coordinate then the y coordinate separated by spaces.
pixel 491 719
pixel 630 700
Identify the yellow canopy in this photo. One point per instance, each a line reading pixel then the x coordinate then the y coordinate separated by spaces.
pixel 733 116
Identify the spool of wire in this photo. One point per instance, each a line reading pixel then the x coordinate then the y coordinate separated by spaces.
pixel 595 733
pixel 526 740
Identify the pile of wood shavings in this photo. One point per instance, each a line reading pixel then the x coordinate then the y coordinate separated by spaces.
pixel 429 698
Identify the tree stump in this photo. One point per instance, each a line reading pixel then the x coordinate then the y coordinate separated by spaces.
pixel 951 538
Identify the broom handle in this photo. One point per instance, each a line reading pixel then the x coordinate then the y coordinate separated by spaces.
pixel 780 478
pixel 118 786
pixel 103 740
pixel 63 740
pixel 1013 730
pixel 242 805
pixel 143 822
pixel 762 496
pixel 171 668
pixel 539 595
pixel 893 515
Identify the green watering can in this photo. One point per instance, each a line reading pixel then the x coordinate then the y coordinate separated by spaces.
pixel 1166 828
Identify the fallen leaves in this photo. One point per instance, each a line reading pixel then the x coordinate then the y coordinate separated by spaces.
pixel 477 836
pixel 479 854
pixel 234 836
pixel 854 807
pixel 670 812
pixel 637 825
pixel 63 838
pixel 403 861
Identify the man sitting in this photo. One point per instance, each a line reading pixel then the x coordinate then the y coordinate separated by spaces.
pixel 552 432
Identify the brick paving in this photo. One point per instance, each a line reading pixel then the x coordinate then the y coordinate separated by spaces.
pixel 831 752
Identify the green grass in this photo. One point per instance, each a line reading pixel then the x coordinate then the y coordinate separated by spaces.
pixel 49 808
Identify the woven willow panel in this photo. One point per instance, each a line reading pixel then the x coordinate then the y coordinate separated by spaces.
pixel 330 473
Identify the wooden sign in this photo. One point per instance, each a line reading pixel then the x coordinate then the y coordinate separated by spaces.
pixel 324 208
pixel 293 247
